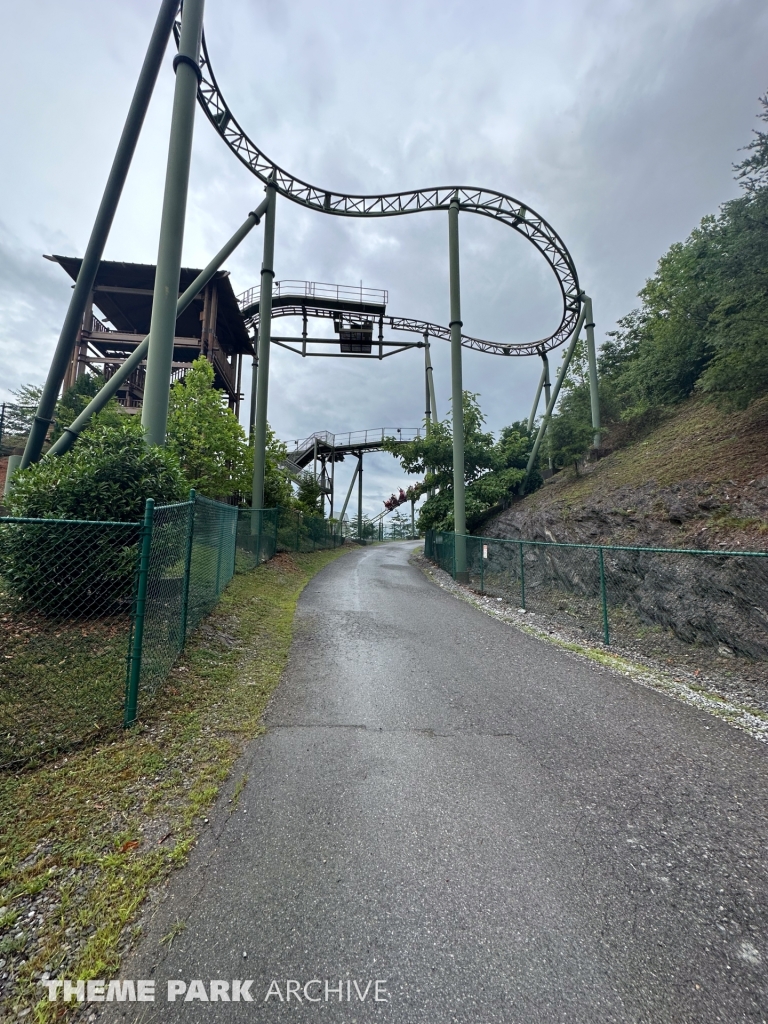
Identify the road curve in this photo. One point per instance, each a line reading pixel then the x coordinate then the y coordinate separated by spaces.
pixel 498 829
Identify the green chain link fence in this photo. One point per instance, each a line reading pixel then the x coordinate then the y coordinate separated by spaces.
pixel 66 595
pixel 677 603
pixel 93 615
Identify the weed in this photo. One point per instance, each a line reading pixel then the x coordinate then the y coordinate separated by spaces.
pixel 176 929
pixel 238 789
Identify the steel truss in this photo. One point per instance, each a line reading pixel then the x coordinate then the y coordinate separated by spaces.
pixel 482 201
pixel 304 306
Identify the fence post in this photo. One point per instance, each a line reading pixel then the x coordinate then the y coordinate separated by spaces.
pixel 218 554
pixel 298 527
pixel 187 567
pixel 606 634
pixel 137 640
pixel 522 578
pixel 482 567
pixel 233 527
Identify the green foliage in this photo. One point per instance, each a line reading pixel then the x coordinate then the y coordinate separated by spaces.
pixel 205 436
pixel 211 446
pixel 77 397
pixel 492 469
pixel 277 482
pixel 702 325
pixel 308 498
pixel 107 476
pixel 19 415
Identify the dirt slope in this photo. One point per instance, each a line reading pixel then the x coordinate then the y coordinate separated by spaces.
pixel 700 479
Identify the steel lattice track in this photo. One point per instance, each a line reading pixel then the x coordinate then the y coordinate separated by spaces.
pixel 395 323
pixel 485 202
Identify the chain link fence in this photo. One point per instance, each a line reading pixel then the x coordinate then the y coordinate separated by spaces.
pixel 93 615
pixel 679 604
pixel 66 600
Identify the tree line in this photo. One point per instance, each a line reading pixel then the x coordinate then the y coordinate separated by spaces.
pixel 701 327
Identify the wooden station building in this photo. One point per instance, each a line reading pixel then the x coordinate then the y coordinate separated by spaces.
pixel 212 325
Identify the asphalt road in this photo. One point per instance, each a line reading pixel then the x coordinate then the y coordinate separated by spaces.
pixel 492 828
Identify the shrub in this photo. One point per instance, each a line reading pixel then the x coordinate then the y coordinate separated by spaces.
pixel 66 570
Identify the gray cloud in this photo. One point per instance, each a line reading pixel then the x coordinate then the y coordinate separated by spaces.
pixel 617 119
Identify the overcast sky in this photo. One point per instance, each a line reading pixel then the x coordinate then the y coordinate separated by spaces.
pixel 617 120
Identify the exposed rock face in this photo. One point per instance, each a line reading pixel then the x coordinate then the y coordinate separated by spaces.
pixel 689 515
pixel 713 600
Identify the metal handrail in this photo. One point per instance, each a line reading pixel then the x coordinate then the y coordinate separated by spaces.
pixel 317 290
pixel 353 437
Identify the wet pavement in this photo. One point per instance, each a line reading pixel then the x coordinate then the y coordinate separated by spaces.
pixel 471 825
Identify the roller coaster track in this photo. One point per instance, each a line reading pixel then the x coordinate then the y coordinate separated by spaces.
pixel 395 323
pixel 485 202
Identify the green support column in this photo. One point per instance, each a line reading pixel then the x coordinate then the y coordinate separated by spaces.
pixel 101 228
pixel 360 498
pixel 459 517
pixel 431 410
pixel 265 338
pixel 254 384
pixel 154 413
pixel 594 394
pixel 429 386
pixel 553 397
pixel 14 463
pixel 547 397
pixel 544 377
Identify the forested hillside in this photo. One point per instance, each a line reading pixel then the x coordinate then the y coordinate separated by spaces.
pixel 701 327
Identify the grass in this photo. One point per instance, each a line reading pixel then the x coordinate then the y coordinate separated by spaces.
pixel 44 706
pixel 85 839
pixel 698 441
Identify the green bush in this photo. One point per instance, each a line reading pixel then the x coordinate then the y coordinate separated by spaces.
pixel 107 476
pixel 66 569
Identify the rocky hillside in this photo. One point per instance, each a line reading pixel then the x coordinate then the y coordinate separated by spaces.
pixel 699 479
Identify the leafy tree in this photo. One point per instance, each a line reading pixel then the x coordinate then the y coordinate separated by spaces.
pixel 752 171
pixel 205 435
pixel 277 482
pixel 20 413
pixel 211 446
pixel 75 399
pixel 308 499
pixel 492 469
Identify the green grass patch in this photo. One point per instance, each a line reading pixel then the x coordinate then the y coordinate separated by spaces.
pixel 86 838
